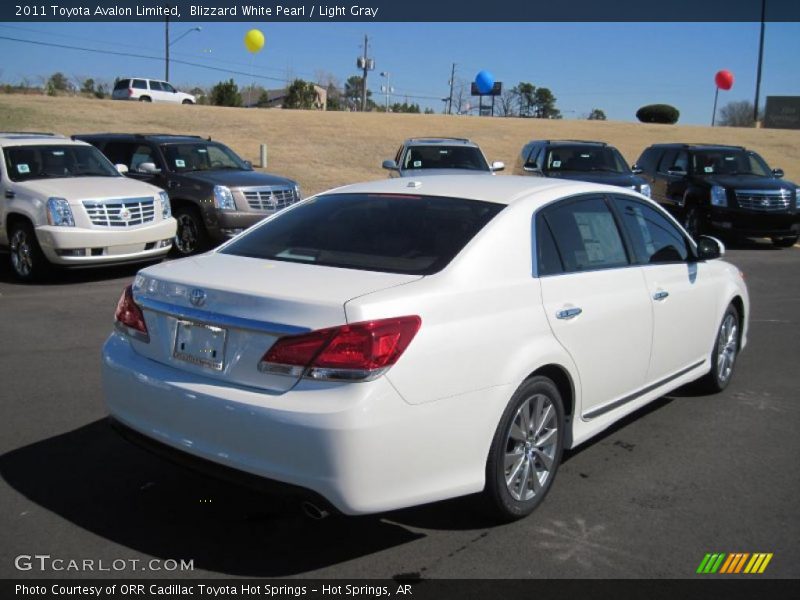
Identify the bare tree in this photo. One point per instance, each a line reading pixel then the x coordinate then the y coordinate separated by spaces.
pixel 736 114
pixel 506 102
pixel 459 96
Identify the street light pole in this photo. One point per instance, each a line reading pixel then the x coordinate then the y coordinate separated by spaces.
pixel 167 44
pixel 760 61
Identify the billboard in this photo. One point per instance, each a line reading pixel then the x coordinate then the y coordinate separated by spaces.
pixel 782 112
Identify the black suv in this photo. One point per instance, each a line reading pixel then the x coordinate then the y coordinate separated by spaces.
pixel 725 188
pixel 596 162
pixel 214 193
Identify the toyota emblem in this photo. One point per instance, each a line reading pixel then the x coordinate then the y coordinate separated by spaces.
pixel 197 297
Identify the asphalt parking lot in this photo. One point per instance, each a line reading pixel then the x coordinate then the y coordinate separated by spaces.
pixel 686 476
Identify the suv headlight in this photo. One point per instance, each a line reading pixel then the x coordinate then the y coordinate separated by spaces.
pixel 797 198
pixel 166 207
pixel 223 198
pixel 645 190
pixel 718 196
pixel 59 213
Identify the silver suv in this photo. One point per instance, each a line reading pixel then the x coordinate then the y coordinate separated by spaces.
pixel 440 156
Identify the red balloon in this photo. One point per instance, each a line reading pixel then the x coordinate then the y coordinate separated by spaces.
pixel 724 80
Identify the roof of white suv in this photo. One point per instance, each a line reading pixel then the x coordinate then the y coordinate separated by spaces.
pixel 24 138
pixel 502 190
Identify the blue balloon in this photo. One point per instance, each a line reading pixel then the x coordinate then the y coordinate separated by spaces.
pixel 484 81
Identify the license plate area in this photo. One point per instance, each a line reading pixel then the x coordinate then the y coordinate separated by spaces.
pixel 200 344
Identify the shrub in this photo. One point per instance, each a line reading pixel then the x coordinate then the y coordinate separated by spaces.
pixel 658 113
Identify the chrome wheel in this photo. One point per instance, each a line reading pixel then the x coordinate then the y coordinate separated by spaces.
pixel 21 253
pixel 531 445
pixel 186 237
pixel 727 346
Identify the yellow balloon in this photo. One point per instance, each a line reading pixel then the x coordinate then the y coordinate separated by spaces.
pixel 254 40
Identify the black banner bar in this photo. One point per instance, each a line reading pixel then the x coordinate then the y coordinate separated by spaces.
pixel 705 587
pixel 393 11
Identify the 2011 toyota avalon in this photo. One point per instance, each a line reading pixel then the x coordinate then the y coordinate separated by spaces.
pixel 403 341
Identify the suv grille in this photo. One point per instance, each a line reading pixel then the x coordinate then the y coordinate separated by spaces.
pixel 126 212
pixel 269 198
pixel 764 200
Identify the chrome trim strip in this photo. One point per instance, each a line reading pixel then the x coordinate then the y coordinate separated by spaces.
pixel 600 410
pixel 217 319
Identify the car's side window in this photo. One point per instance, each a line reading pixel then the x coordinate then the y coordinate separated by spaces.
pixel 142 153
pixel 586 234
pixel 139 84
pixel 654 237
pixel 667 160
pixel 548 260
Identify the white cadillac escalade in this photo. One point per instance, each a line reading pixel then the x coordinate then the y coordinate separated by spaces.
pixel 63 203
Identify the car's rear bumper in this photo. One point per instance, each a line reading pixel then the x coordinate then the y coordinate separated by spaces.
pixel 75 246
pixel 360 445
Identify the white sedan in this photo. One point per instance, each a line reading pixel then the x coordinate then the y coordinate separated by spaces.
pixel 399 342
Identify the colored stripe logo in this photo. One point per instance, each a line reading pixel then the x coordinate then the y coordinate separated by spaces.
pixel 734 563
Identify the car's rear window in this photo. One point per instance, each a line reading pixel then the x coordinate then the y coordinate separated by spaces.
pixel 122 84
pixel 415 235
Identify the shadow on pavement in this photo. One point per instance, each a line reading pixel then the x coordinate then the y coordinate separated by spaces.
pixel 101 483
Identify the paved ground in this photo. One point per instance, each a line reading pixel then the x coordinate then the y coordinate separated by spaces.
pixel 686 476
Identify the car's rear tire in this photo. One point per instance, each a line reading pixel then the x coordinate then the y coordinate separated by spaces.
pixel 526 450
pixel 27 259
pixel 191 236
pixel 785 242
pixel 187 102
pixel 724 354
pixel 145 99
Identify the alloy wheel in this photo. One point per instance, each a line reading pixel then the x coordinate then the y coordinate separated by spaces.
pixel 727 345
pixel 186 237
pixel 531 445
pixel 21 253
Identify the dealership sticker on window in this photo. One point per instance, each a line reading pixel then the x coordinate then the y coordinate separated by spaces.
pixel 202 150
pixel 23 168
pixel 556 163
pixel 417 164
pixel 708 169
pixel 180 163
pixel 58 153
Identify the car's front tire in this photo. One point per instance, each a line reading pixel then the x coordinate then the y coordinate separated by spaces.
pixel 191 236
pixel 27 259
pixel 693 220
pixel 526 450
pixel 724 354
pixel 785 242
pixel 187 102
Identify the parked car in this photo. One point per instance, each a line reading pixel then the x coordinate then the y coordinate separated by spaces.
pixel 440 156
pixel 384 345
pixel 65 204
pixel 597 162
pixel 723 188
pixel 215 194
pixel 149 90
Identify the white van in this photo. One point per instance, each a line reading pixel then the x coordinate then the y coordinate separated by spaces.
pixel 149 90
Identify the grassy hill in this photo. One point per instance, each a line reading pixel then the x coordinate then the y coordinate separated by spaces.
pixel 326 149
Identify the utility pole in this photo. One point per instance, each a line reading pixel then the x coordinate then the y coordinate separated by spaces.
pixel 364 80
pixel 166 47
pixel 760 60
pixel 452 81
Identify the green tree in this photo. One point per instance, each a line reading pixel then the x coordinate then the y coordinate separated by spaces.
pixel 545 104
pixel 101 91
pixel 597 114
pixel 300 94
pixel 525 94
pixel 335 101
pixel 88 86
pixel 57 82
pixel 226 93
pixel 352 92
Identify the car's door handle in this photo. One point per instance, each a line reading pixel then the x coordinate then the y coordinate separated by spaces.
pixel 568 313
pixel 9 194
pixel 660 295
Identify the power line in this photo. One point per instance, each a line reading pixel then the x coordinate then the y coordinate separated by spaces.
pixel 142 56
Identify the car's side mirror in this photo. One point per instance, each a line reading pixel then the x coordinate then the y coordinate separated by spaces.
pixel 391 165
pixel 677 171
pixel 149 168
pixel 777 173
pixel 498 165
pixel 122 169
pixel 637 170
pixel 249 165
pixel 709 248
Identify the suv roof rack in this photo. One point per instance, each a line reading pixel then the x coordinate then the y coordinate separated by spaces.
pixel 577 142
pixel 33 133
pixel 431 138
pixel 168 135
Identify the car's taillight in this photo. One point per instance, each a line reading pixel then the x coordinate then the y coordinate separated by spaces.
pixel 356 352
pixel 129 317
pixel 130 92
